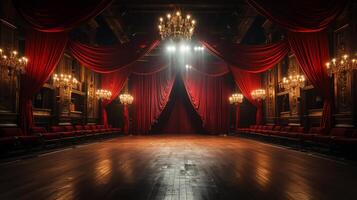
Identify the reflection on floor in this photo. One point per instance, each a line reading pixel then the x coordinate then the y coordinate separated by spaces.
pixel 178 167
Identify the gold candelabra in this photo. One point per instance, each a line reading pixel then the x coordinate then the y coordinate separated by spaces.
pixel 65 81
pixel 126 99
pixel 236 98
pixel 258 94
pixel 103 94
pixel 293 81
pixel 176 26
pixel 13 62
pixel 341 65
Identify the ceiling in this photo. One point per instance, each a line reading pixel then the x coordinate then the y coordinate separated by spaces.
pixel 227 19
pixel 232 20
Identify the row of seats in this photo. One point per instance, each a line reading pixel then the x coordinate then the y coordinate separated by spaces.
pixel 346 137
pixel 11 137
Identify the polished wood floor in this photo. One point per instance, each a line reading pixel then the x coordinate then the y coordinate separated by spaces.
pixel 175 168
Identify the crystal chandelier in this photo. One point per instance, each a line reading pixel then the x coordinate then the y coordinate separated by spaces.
pixel 176 26
pixel 103 94
pixel 65 81
pixel 126 99
pixel 258 94
pixel 293 81
pixel 236 98
pixel 341 65
pixel 12 62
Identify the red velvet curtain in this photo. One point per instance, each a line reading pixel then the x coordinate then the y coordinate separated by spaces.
pixel 311 51
pixel 209 96
pixel 300 15
pixel 251 58
pixel 247 82
pixel 237 116
pixel 113 82
pixel 44 51
pixel 214 69
pixel 106 59
pixel 151 94
pixel 58 16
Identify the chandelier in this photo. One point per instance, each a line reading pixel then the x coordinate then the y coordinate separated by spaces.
pixel 341 65
pixel 126 99
pixel 64 80
pixel 103 94
pixel 176 26
pixel 236 98
pixel 258 94
pixel 13 62
pixel 293 81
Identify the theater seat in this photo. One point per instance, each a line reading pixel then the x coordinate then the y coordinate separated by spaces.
pixel 312 132
pixel 327 138
pixel 80 130
pixel 20 137
pixel 284 131
pixel 62 131
pixel 295 132
pixel 267 129
pixel 275 130
pixel 41 131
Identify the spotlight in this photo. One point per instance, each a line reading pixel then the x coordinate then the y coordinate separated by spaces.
pixel 182 48
pixel 171 48
pixel 187 48
pixel 188 66
pixel 198 48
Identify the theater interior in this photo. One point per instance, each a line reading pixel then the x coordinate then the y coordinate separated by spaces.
pixel 179 100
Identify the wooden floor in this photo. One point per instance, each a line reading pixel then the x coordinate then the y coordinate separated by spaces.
pixel 178 167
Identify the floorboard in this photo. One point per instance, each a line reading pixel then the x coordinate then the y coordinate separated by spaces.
pixel 178 168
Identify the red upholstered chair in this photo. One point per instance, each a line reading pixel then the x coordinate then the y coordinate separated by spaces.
pixel 82 130
pixel 312 132
pixel 348 143
pixel 27 140
pixel 7 140
pixel 284 131
pixel 327 138
pixel 89 129
pixel 102 128
pixel 295 132
pixel 69 128
pixel 62 131
pixel 42 132
pixel 275 130
pixel 267 129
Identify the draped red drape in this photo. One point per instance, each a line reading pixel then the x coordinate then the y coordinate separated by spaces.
pixel 106 59
pixel 247 82
pixel 214 69
pixel 251 58
pixel 113 82
pixel 300 15
pixel 237 115
pixel 209 96
pixel 44 51
pixel 306 21
pixel 311 51
pixel 58 16
pixel 151 94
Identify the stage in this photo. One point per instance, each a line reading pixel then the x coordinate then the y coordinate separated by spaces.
pixel 178 167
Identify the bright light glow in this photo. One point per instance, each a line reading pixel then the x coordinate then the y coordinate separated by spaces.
pixel 188 66
pixel 198 48
pixel 171 48
pixel 185 48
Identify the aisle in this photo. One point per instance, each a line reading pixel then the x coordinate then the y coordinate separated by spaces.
pixel 178 167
